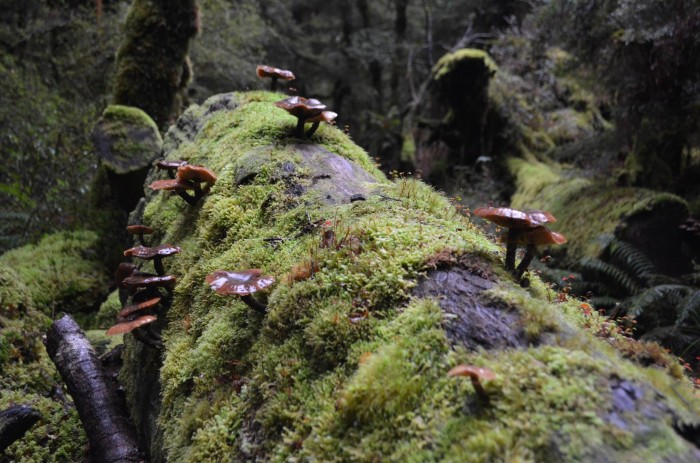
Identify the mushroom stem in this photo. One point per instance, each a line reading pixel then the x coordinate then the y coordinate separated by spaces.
pixel 480 391
pixel 273 84
pixel 158 265
pixel 142 336
pixel 299 131
pixel 527 258
pixel 511 246
pixel 313 129
pixel 191 200
pixel 254 304
pixel 141 240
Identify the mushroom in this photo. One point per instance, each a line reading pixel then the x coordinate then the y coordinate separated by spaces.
pixel 538 236
pixel 476 374
pixel 124 270
pixel 301 108
pixel 156 254
pixel 274 73
pixel 243 283
pixel 179 186
pixel 140 230
pixel 130 310
pixel 170 166
pixel 135 282
pixel 514 220
pixel 128 326
pixel 325 116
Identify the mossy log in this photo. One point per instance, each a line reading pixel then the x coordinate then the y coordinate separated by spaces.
pixel 14 422
pixel 382 287
pixel 106 423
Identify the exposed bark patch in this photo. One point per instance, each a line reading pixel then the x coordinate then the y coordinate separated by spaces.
pixel 472 320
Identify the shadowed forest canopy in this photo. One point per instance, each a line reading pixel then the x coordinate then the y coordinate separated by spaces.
pixel 586 109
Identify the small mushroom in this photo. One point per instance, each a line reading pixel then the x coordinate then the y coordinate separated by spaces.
pixel 275 74
pixel 243 283
pixel 538 236
pixel 170 166
pixel 178 186
pixel 136 282
pixel 197 175
pixel 155 253
pixel 301 108
pixel 140 230
pixel 325 116
pixel 130 310
pixel 126 327
pixel 124 270
pixel 476 374
pixel 514 220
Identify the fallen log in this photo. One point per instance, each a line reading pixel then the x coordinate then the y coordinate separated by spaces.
pixel 110 434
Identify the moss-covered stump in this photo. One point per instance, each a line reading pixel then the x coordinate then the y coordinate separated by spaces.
pixel 62 272
pixel 369 311
pixel 590 211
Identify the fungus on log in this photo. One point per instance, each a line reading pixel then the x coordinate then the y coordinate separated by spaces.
pixel 111 435
pixel 244 283
pixel 189 178
pixel 156 254
pixel 325 116
pixel 476 375
pixel 301 108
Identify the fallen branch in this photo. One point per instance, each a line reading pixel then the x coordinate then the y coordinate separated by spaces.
pixel 14 422
pixel 111 436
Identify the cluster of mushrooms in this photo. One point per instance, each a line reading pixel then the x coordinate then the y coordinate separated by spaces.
pixel 140 292
pixel 184 178
pixel 306 110
pixel 524 229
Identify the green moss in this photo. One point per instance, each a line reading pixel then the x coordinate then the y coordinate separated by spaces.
pixel 346 365
pixel 62 272
pixel 109 309
pixel 448 62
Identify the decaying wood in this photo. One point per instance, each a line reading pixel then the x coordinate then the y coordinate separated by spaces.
pixel 14 422
pixel 111 436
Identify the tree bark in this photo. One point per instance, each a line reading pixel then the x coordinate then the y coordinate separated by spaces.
pixel 109 431
pixel 14 422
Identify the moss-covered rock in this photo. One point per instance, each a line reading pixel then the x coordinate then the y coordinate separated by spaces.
pixel 350 363
pixel 62 272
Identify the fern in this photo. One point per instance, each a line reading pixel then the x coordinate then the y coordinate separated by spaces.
pixel 631 259
pixel 689 309
pixel 612 276
pixel 604 302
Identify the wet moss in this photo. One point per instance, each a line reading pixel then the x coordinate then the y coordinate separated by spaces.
pixel 346 365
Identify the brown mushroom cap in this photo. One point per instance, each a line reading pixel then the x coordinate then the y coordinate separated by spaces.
pixel 472 371
pixel 238 283
pixel 170 165
pixel 268 71
pixel 125 269
pixel 301 107
pixel 132 309
pixel 513 218
pixel 538 236
pixel 195 173
pixel 325 116
pixel 125 327
pixel 139 230
pixel 135 282
pixel 174 184
pixel 144 252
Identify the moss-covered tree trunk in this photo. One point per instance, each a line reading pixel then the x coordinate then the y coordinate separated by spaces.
pixel 153 69
pixel 381 288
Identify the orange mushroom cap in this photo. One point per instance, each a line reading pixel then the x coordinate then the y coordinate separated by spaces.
pixel 513 218
pixel 125 327
pixel 133 283
pixel 238 283
pixel 195 173
pixel 325 116
pixel 144 252
pixel 174 184
pixel 472 371
pixel 301 107
pixel 538 236
pixel 132 309
pixel 268 71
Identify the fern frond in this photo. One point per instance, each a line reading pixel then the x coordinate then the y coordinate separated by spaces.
pixel 612 276
pixel 656 306
pixel 631 259
pixel 603 302
pixel 689 309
